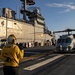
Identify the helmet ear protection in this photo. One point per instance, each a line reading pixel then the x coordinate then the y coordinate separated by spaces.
pixel 11 39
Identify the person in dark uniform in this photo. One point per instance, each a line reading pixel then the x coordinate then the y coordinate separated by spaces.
pixel 11 55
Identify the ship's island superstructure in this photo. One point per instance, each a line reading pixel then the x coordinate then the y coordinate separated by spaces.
pixel 28 31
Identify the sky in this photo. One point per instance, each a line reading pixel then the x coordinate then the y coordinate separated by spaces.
pixel 58 14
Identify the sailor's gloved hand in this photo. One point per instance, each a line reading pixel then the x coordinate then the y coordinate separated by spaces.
pixel 20 46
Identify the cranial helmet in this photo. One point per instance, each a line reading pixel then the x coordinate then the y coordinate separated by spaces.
pixel 11 39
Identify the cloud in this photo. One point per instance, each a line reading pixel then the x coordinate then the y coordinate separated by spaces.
pixel 68 6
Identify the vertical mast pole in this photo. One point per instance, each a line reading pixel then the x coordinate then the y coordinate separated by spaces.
pixel 6 25
pixel 24 14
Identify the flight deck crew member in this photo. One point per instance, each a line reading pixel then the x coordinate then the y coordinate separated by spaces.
pixel 11 55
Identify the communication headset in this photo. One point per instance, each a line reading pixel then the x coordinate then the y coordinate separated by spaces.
pixel 11 39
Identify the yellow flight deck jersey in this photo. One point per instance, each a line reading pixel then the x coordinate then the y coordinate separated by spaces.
pixel 13 53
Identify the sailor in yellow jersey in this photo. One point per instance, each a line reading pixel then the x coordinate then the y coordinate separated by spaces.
pixel 11 55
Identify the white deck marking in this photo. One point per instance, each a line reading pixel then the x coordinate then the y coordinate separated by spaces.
pixel 32 67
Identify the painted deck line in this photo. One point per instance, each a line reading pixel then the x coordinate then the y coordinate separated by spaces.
pixel 32 67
